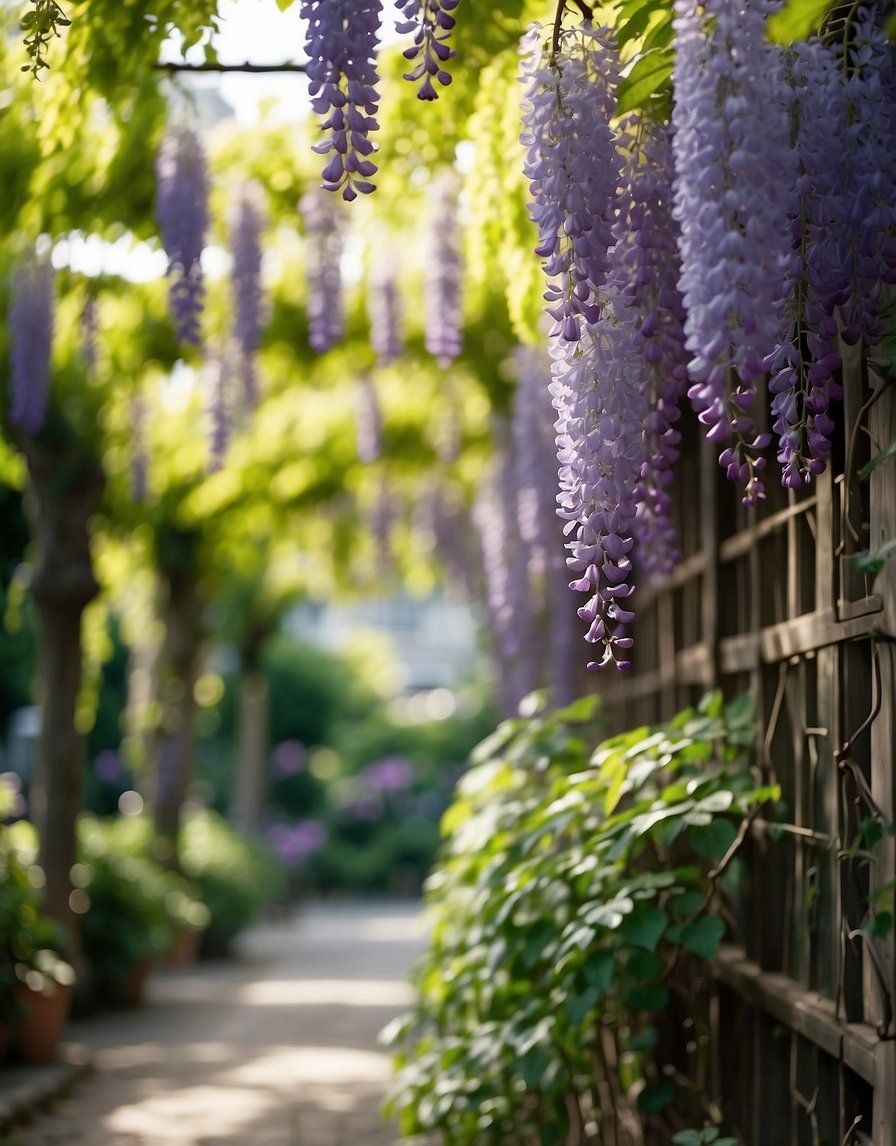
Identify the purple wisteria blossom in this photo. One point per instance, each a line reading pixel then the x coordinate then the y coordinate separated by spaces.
pixel 385 312
pixel 430 22
pixel 182 214
pixel 368 420
pixel 599 392
pixel 803 367
pixel 735 190
pixel 30 324
pixel 647 256
pixel 139 448
pixel 218 376
pixel 341 43
pixel 324 235
pixel 536 468
pixel 246 225
pixel 391 774
pixel 573 167
pixel 288 758
pixel 508 597
pixel 869 161
pixel 444 275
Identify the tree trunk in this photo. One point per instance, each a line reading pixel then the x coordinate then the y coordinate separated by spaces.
pixel 250 776
pixel 174 742
pixel 64 493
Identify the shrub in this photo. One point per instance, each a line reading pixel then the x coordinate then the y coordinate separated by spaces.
pixel 571 890
pixel 236 876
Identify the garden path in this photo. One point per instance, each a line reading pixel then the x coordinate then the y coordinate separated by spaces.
pixel 275 1048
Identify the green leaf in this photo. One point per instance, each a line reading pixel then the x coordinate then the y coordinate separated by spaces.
pixel 579 1007
pixel 648 997
pixel 598 970
pixel 644 927
pixel 703 936
pixel 879 925
pixel 796 20
pixel 654 1097
pixel 872 562
pixel 714 839
pixel 878 460
pixel 649 74
pixel 645 1040
pixel 283 5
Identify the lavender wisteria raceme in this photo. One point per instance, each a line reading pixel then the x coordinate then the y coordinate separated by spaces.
pixel 246 225
pixel 182 214
pixel 430 22
pixel 139 448
pixel 572 165
pixel 443 275
pixel 368 420
pixel 803 367
pixel 540 528
pixel 324 236
pixel 599 392
pixel 870 162
pixel 735 190
pixel 647 256
pixel 30 323
pixel 341 43
pixel 217 377
pixel 506 579
pixel 384 312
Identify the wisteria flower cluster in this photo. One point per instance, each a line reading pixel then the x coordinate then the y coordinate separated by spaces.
pixel 341 43
pixel 719 256
pixel 573 167
pixel 182 213
pixel 430 22
pixel 30 322
pixel 246 225
pixel 324 236
pixel 443 275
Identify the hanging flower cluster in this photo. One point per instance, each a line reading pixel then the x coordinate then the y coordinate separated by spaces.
pixel 30 322
pixel 246 225
pixel 182 213
pixel 341 43
pixel 430 22
pixel 385 313
pixel 323 251
pixel 719 256
pixel 443 274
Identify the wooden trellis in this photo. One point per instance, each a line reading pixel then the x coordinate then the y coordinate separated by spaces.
pixel 771 601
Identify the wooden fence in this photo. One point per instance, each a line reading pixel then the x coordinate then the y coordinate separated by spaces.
pixel 771 601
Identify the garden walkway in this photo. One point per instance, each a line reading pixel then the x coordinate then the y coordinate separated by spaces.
pixel 276 1048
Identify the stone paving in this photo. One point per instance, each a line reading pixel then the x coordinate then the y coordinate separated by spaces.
pixel 276 1048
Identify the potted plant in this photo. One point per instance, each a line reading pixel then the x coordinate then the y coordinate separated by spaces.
pixel 35 980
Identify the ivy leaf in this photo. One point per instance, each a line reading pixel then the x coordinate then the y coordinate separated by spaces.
pixel 648 76
pixel 796 20
pixel 703 936
pixel 656 1096
pixel 648 997
pixel 713 839
pixel 644 928
pixel 872 562
pixel 598 971
pixel 878 460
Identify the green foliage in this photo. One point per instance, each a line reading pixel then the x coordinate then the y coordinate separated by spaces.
pixel 570 887
pixel 236 877
pixel 31 944
pixel 132 906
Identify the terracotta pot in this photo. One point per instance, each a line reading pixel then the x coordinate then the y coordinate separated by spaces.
pixel 125 992
pixel 37 1036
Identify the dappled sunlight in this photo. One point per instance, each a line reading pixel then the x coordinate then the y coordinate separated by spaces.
pixel 326 992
